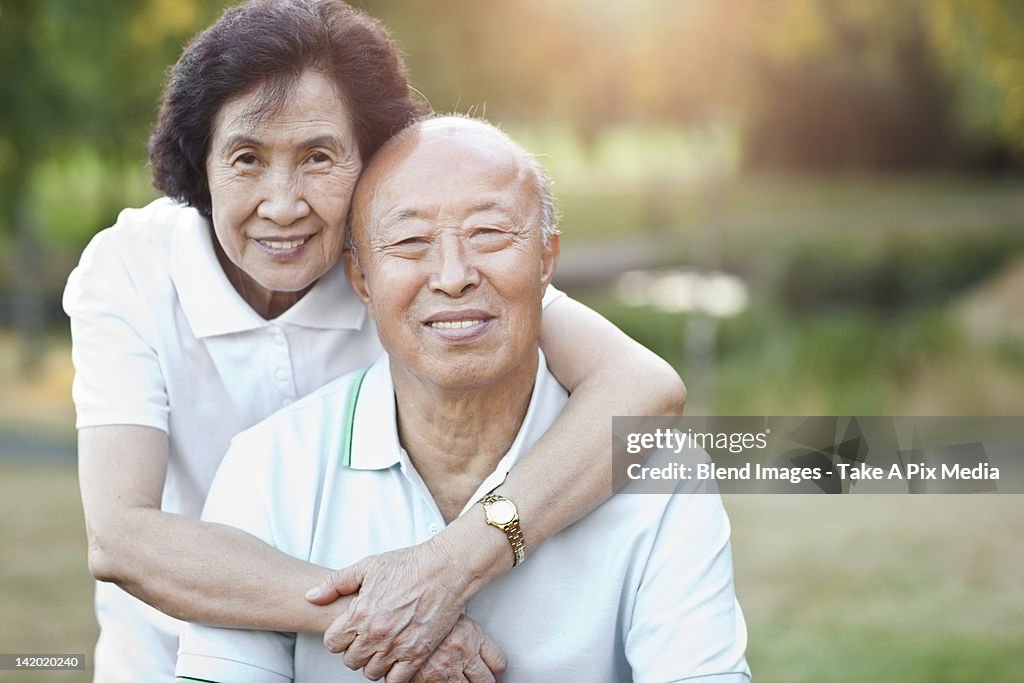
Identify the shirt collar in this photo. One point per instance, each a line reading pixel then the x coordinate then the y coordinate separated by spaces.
pixel 375 443
pixel 213 306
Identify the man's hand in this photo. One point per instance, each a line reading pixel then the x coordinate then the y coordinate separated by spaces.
pixel 407 602
pixel 465 655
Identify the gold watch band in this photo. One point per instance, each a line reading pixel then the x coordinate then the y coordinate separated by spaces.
pixel 511 528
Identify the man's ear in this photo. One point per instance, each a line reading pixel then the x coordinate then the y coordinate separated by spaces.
pixel 356 276
pixel 549 260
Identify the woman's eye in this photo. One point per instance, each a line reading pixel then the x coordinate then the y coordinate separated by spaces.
pixel 319 157
pixel 246 159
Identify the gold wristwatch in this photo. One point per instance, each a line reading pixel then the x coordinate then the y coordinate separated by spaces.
pixel 501 512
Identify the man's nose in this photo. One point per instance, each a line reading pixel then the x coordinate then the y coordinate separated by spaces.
pixel 283 200
pixel 454 273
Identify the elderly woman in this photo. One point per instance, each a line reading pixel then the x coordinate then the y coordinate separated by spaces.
pixel 204 312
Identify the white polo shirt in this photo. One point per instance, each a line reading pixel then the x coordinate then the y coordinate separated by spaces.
pixel 641 589
pixel 162 339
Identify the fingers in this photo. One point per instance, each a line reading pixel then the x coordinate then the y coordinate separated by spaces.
pixel 493 657
pixel 377 667
pixel 401 672
pixel 339 635
pixel 336 584
pixel 466 654
pixel 476 671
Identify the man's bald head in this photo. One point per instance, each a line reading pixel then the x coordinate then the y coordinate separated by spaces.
pixel 452 136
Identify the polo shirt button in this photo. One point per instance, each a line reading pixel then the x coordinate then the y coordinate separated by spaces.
pixel 286 401
pixel 281 374
pixel 434 529
pixel 279 339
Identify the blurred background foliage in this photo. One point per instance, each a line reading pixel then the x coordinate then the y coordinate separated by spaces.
pixel 858 165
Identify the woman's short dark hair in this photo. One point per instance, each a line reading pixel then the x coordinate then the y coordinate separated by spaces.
pixel 265 46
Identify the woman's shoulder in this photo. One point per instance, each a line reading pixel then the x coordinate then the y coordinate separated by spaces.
pixel 147 229
pixel 134 253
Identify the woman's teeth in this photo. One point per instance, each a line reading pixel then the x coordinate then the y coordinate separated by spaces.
pixel 456 324
pixel 283 245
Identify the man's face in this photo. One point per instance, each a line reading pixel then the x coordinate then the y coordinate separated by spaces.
pixel 451 260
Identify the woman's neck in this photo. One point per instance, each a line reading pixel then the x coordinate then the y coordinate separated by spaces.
pixel 267 303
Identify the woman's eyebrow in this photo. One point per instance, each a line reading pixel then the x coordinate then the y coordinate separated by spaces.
pixel 329 141
pixel 239 140
pixel 246 140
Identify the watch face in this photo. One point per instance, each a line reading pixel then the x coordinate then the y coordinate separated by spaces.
pixel 501 511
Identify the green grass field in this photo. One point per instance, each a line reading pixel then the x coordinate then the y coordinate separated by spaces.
pixel 45 587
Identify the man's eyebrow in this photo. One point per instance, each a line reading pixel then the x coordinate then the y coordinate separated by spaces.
pixel 399 215
pixel 491 205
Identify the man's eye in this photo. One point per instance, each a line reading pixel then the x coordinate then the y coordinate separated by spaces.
pixel 488 236
pixel 412 242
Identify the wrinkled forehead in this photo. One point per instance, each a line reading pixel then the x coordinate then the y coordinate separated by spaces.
pixel 444 165
pixel 280 97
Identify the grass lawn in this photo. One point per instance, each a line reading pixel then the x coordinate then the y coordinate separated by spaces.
pixel 45 587
pixel 908 589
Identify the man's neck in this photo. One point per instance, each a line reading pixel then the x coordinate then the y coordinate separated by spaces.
pixel 455 437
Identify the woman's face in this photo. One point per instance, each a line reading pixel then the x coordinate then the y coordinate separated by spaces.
pixel 280 185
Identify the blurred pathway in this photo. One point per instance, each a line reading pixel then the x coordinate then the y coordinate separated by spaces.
pixel 30 448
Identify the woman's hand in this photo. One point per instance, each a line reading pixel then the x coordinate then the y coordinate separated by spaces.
pixel 406 603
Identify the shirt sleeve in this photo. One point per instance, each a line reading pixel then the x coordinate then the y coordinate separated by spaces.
pixel 551 295
pixel 687 624
pixel 118 378
pixel 230 655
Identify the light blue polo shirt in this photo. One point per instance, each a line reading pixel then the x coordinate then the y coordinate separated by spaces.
pixel 639 590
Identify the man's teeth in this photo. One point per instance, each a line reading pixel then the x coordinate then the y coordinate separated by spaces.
pixel 456 324
pixel 282 244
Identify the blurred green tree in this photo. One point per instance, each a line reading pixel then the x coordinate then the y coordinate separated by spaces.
pixel 76 76
pixel 981 43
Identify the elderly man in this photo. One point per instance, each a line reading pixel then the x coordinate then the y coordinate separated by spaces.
pixel 453 244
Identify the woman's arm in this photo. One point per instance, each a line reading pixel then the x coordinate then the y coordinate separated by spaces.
pixel 403 596
pixel 189 569
pixel 569 470
pixel 213 573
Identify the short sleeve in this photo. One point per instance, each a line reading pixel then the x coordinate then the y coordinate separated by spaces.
pixel 551 295
pixel 687 624
pixel 231 655
pixel 118 379
pixel 226 655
